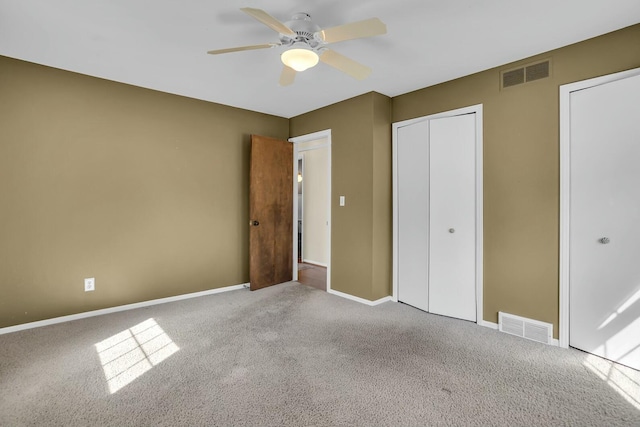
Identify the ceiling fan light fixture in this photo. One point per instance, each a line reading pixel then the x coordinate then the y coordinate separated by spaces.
pixel 299 59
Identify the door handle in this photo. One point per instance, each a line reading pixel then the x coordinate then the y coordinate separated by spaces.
pixel 452 230
pixel 254 223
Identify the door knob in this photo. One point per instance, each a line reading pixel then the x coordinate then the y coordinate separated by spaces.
pixel 452 230
pixel 254 223
pixel 604 240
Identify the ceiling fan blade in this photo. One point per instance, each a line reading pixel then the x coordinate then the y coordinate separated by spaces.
pixel 344 64
pixel 241 48
pixel 354 30
pixel 287 76
pixel 268 20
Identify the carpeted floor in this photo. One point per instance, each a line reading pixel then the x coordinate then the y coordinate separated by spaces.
pixel 293 355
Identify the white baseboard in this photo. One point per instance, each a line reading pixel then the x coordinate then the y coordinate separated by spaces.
pixel 486 324
pixel 358 299
pixel 554 342
pixel 319 264
pixel 116 309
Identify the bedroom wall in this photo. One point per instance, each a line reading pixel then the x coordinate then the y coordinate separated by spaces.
pixel 316 195
pixel 521 166
pixel 361 171
pixel 145 191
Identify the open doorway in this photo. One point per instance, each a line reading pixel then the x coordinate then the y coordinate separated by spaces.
pixel 312 209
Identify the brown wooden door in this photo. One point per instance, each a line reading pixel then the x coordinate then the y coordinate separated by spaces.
pixel 271 212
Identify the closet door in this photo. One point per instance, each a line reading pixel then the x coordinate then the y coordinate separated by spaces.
pixel 604 266
pixel 413 214
pixel 452 230
pixel 436 215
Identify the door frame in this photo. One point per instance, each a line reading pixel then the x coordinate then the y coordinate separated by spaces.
pixel 326 135
pixel 565 190
pixel 300 208
pixel 474 109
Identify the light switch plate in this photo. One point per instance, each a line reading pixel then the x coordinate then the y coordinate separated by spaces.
pixel 342 200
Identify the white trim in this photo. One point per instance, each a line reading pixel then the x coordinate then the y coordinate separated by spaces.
pixel 394 211
pixel 553 342
pixel 117 309
pixel 312 136
pixel 324 134
pixel 319 264
pixel 300 207
pixel 358 299
pixel 474 109
pixel 489 325
pixel 565 190
pixel 479 214
pixel 294 231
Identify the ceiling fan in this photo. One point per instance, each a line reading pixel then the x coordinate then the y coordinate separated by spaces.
pixel 306 43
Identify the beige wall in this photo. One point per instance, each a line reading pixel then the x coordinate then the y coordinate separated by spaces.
pixel 145 191
pixel 521 167
pixel 148 191
pixel 360 140
pixel 382 245
pixel 315 212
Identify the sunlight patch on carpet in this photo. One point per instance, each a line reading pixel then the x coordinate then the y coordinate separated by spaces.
pixel 624 380
pixel 128 354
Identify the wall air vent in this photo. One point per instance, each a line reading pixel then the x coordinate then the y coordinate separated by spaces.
pixel 537 71
pixel 527 73
pixel 525 328
pixel 513 77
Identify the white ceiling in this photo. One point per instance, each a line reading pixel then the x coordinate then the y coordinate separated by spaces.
pixel 162 44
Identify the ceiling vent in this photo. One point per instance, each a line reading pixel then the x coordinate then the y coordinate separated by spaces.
pixel 527 73
pixel 525 328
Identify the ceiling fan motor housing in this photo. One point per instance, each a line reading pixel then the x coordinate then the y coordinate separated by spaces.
pixel 305 30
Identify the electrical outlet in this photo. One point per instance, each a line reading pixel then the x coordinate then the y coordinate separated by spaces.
pixel 89 284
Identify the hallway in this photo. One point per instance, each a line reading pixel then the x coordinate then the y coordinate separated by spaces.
pixel 312 275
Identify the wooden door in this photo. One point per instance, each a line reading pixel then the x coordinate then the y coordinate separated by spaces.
pixel 270 211
pixel 604 272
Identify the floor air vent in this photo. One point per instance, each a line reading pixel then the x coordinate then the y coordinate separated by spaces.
pixel 525 328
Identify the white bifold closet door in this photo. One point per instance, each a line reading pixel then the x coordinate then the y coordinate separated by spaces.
pixel 604 265
pixel 436 215
pixel 413 215
pixel 452 217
